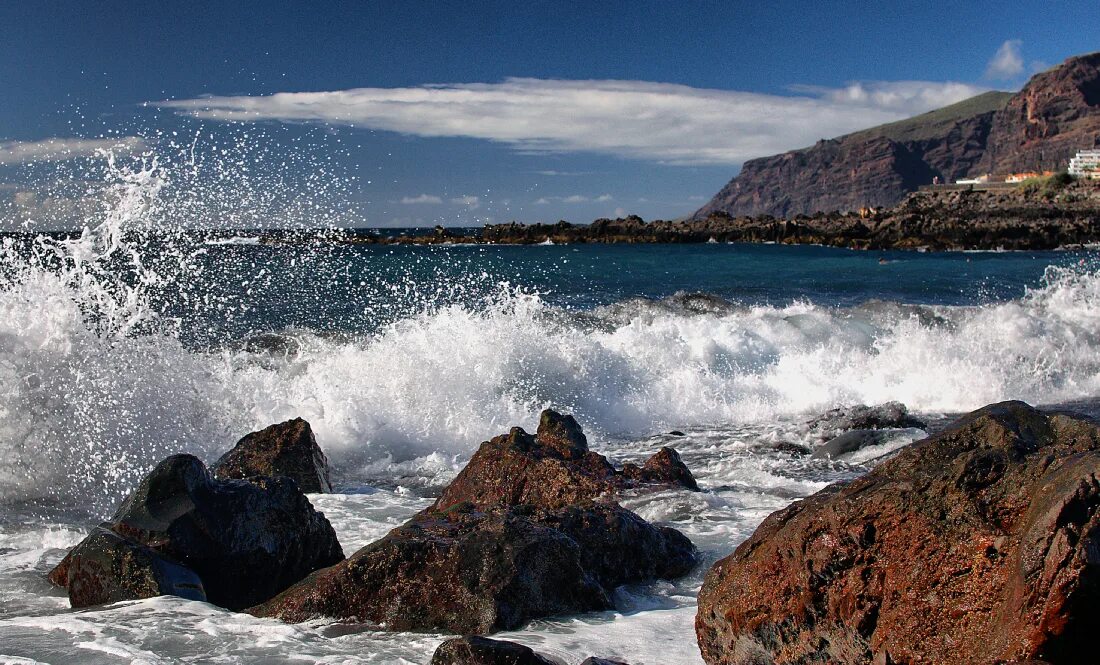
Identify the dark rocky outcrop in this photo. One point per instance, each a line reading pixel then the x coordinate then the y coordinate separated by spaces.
pixel 664 468
pixel 483 651
pixel 977 545
pixel 237 543
pixel 526 530
pixel 286 449
pixel 850 442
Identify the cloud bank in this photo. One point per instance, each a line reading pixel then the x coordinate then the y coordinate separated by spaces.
pixel 661 122
pixel 60 149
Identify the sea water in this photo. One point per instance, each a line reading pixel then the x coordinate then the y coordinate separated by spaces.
pixel 139 338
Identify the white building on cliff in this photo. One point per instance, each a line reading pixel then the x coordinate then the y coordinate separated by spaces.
pixel 1086 164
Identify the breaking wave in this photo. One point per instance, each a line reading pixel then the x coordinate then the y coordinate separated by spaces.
pixel 96 384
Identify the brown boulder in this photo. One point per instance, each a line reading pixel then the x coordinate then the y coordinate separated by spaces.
pixel 977 545
pixel 286 449
pixel 551 469
pixel 518 535
pixel 469 571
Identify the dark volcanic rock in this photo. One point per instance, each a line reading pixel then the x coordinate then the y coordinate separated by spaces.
pixel 483 651
pixel 245 541
pixel 287 449
pixel 469 571
pixel 554 468
pixel 515 537
pixel 664 468
pixel 107 568
pixel 978 545
pixel 891 415
pixel 850 442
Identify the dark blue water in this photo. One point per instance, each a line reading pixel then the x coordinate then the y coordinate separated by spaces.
pixel 358 289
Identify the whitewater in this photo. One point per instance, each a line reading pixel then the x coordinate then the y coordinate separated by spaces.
pixel 139 336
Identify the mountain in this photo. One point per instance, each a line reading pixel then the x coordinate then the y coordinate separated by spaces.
pixel 1038 128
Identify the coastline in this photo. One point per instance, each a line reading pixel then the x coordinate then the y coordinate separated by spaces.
pixel 1020 219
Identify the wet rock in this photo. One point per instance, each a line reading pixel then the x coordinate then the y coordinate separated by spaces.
pixel 287 449
pixel 515 537
pixel 107 568
pixel 850 442
pixel 792 448
pixel 891 415
pixel 472 571
pixel 483 651
pixel 244 541
pixel 675 432
pixel 551 469
pixel 976 545
pixel 664 468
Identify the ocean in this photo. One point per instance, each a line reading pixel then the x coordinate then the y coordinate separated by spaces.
pixel 136 339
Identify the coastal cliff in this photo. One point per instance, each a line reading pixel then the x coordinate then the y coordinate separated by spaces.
pixel 1036 129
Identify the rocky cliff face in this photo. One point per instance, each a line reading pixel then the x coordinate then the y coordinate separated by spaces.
pixel 1041 127
pixel 1056 114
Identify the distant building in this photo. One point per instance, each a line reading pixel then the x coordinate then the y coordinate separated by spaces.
pixel 1027 175
pixel 1086 165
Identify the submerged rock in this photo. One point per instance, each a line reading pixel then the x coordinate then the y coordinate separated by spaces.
pixel 850 442
pixel 979 544
pixel 483 651
pixel 286 449
pixel 242 541
pixel 515 537
pixel 891 415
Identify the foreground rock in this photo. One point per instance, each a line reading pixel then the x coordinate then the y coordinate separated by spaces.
pixel 287 449
pixel 181 532
pixel 517 536
pixel 483 651
pixel 978 545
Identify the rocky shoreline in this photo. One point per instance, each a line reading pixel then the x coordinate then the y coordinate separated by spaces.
pixel 1041 217
pixel 977 544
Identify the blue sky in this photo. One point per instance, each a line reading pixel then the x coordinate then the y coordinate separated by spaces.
pixel 463 113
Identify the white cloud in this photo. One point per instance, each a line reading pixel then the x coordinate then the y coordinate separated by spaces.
pixel 541 201
pixel 604 198
pixel 471 202
pixel 619 212
pixel 635 119
pixel 1007 62
pixel 422 199
pixel 576 198
pixel 60 149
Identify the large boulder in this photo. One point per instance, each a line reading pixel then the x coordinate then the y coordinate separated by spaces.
pixel 977 545
pixel 286 449
pixel 474 571
pixel 475 650
pixel 182 532
pixel 553 468
pixel 526 530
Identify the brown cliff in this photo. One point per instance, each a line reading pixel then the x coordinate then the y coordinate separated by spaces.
pixel 1039 128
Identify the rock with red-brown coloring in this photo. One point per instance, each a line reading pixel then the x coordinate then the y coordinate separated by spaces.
pixel 551 469
pixel 978 545
pixel 475 650
pixel 244 541
pixel 474 571
pixel 286 449
pixel 1056 114
pixel 525 531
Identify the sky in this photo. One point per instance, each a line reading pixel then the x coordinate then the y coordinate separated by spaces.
pixel 466 113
